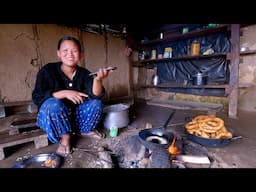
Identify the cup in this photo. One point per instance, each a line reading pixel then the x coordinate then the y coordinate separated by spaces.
pixel 113 131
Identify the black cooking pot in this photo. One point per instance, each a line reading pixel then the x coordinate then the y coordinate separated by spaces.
pixel 212 142
pixel 156 138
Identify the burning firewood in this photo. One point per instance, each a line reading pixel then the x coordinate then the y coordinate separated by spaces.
pixel 173 150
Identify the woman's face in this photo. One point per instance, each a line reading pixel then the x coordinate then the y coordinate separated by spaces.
pixel 69 53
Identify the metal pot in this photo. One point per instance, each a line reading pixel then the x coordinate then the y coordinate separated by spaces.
pixel 116 115
pixel 199 79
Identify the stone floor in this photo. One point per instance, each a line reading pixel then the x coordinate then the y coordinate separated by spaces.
pixel 237 154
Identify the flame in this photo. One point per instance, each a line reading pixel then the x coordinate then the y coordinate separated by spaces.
pixel 173 150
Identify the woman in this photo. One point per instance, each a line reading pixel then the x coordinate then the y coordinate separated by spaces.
pixel 68 99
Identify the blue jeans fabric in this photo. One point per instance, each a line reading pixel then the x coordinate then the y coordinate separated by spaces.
pixel 57 118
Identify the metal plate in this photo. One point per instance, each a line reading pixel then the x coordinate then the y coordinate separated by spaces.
pixel 47 160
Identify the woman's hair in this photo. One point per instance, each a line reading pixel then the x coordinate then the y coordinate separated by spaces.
pixel 64 38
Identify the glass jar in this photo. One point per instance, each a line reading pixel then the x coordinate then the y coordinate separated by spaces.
pixel 195 48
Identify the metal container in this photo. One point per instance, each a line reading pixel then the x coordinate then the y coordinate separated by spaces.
pixel 195 48
pixel 199 79
pixel 155 80
pixel 117 115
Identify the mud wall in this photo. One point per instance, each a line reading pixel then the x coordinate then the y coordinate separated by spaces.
pixel 247 70
pixel 25 48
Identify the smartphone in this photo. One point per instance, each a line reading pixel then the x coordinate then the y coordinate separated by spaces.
pixel 108 69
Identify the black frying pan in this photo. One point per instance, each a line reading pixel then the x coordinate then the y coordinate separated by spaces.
pixel 159 133
pixel 212 142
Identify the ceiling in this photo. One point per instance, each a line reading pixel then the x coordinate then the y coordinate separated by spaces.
pixel 138 31
pixel 135 30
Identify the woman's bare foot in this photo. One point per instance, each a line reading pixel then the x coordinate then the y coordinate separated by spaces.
pixel 64 148
pixel 94 134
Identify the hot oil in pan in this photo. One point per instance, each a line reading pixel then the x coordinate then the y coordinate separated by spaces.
pixel 155 141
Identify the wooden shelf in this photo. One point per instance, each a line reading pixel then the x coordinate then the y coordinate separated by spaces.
pixel 185 57
pixel 230 89
pixel 137 64
pixel 176 85
pixel 250 52
pixel 222 27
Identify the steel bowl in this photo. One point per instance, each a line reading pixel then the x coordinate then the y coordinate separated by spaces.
pixel 46 160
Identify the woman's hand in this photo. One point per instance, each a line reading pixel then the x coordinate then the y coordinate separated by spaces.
pixel 72 95
pixel 101 74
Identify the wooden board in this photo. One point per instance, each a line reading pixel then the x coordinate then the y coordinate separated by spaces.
pixel 38 137
pixel 211 108
pixel 25 124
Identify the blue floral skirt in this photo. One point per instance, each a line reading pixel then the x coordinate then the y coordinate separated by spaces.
pixel 57 118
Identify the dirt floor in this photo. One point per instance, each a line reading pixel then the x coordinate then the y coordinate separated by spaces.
pixel 105 153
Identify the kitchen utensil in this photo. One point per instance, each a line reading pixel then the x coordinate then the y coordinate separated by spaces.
pixel 199 79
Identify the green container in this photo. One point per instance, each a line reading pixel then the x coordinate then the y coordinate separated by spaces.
pixel 113 131
pixel 185 30
pixel 210 25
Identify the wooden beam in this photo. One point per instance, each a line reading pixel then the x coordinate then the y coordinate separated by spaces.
pixel 234 73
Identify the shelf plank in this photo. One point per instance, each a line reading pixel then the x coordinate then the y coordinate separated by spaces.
pixel 184 58
pixel 211 108
pixel 176 85
pixel 17 103
pixel 221 27
pixel 250 52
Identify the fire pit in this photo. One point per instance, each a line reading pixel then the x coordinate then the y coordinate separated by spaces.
pixel 133 154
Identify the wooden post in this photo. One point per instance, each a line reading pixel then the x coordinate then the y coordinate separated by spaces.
pixel 234 73
pixel 2 111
